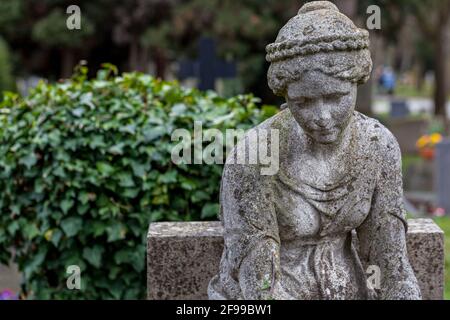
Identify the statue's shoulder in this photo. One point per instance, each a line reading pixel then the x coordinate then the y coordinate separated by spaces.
pixel 257 143
pixel 279 121
pixel 375 137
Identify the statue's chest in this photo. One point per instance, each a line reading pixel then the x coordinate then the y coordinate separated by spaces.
pixel 306 211
pixel 325 173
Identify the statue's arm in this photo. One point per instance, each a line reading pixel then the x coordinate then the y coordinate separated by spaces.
pixel 251 230
pixel 382 237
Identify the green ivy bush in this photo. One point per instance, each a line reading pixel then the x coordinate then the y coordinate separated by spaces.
pixel 85 166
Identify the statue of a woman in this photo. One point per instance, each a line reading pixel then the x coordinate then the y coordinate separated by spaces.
pixel 291 235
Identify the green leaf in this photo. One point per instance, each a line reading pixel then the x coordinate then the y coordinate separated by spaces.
pixel 71 226
pixel 94 255
pixel 124 256
pixel 168 177
pixel 35 261
pixel 117 149
pixel 104 168
pixel 116 232
pixel 78 112
pixel 66 204
pixel 98 228
pixel 125 180
pixel 210 210
pixel 56 237
pixel 30 231
pixel 13 227
pixel 29 160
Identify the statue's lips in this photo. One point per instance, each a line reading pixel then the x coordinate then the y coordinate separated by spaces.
pixel 326 131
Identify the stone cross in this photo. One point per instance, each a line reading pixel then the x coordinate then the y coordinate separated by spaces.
pixel 207 68
pixel 399 108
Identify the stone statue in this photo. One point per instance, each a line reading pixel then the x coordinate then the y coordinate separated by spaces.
pixel 330 223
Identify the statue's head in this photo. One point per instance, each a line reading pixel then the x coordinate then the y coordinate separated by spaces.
pixel 317 62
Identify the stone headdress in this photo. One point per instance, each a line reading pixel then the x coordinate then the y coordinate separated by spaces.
pixel 319 28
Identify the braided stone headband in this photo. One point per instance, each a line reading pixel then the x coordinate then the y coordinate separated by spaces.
pixel 291 48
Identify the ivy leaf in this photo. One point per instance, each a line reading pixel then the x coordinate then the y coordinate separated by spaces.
pixel 168 177
pixel 66 204
pixel 13 227
pixel 104 168
pixel 56 237
pixel 210 210
pixel 116 232
pixel 126 180
pixel 30 231
pixel 94 255
pixel 71 226
pixel 78 112
pixel 29 160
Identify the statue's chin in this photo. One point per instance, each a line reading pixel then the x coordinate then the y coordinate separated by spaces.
pixel 325 138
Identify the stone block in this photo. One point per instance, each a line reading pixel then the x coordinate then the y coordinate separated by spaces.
pixel 425 243
pixel 183 256
pixel 10 278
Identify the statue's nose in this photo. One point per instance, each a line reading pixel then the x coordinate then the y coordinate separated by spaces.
pixel 323 116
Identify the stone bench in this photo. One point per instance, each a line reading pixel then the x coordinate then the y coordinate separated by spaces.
pixel 183 256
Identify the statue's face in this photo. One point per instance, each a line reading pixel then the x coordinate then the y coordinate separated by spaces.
pixel 322 105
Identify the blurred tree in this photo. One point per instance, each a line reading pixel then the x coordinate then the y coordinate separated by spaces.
pixel 352 9
pixel 158 40
pixel 433 20
pixel 6 78
pixel 142 30
pixel 10 12
pixel 136 18
pixel 53 32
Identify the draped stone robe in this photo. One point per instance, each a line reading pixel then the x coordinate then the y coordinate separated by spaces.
pixel 286 238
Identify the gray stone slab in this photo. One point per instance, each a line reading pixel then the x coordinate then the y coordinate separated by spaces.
pixel 182 257
pixel 425 243
pixel 10 278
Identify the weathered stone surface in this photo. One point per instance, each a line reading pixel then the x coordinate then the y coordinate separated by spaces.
pixel 288 233
pixel 425 242
pixel 10 278
pixel 183 256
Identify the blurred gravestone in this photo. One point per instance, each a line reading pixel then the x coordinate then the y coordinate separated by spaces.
pixel 207 68
pixel 443 175
pixel 407 131
pixel 399 109
pixel 24 85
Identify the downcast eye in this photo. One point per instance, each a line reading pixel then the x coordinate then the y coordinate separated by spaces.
pixel 304 101
pixel 334 97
